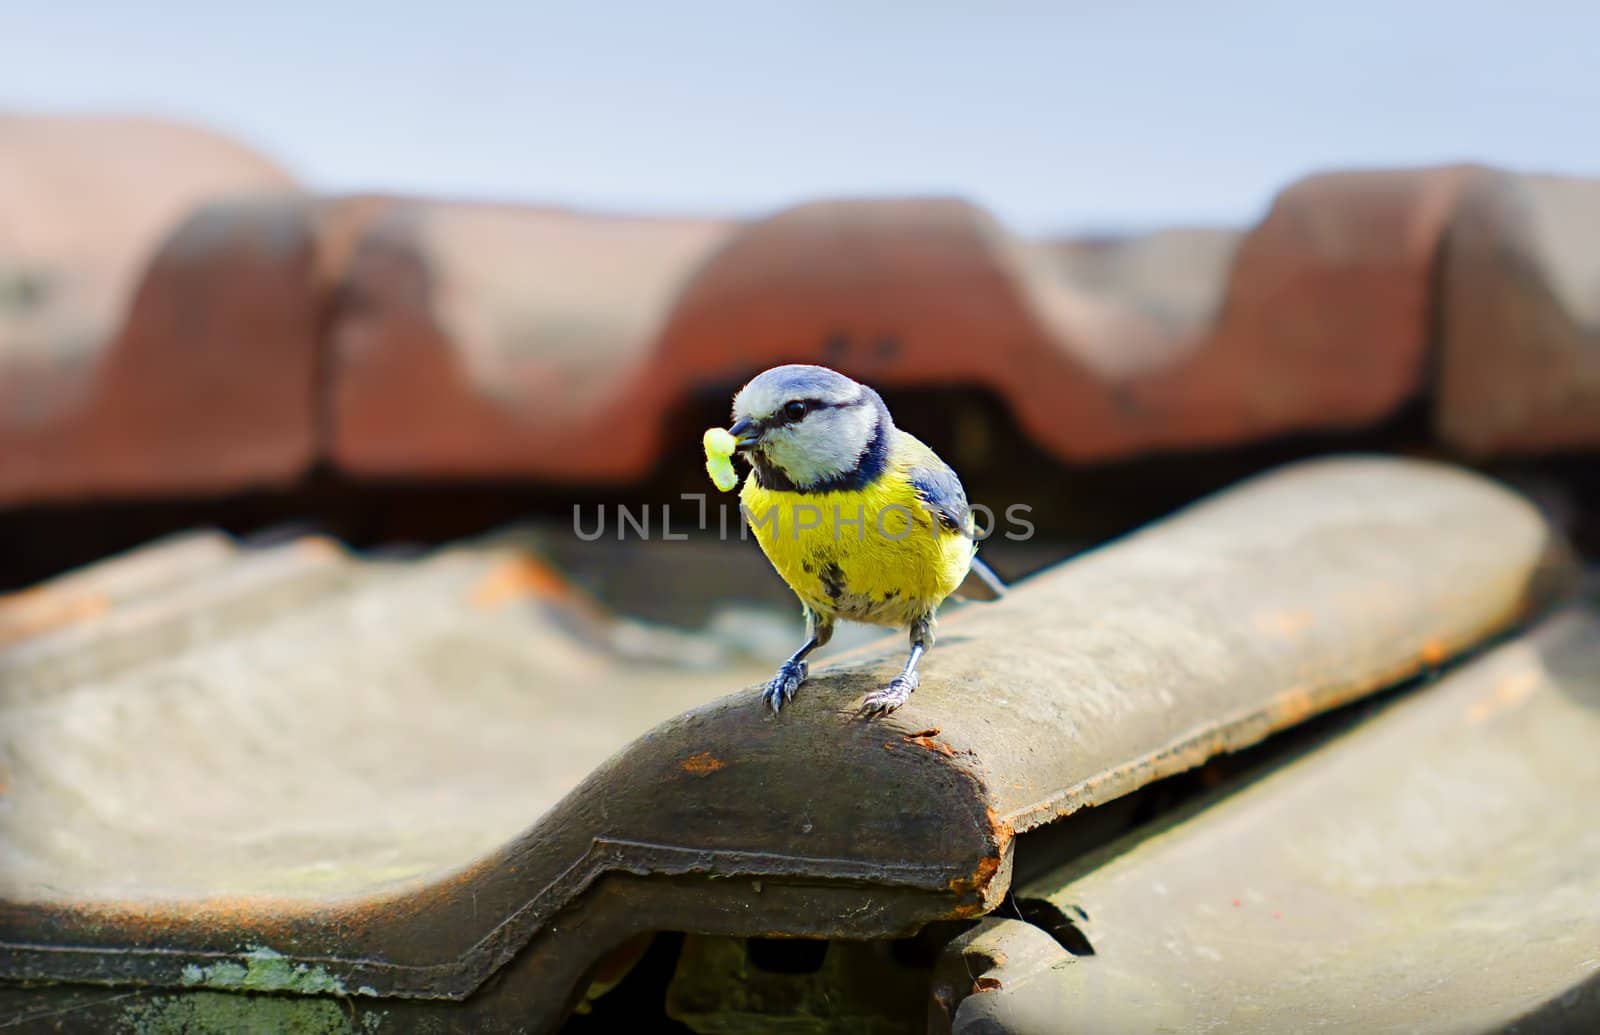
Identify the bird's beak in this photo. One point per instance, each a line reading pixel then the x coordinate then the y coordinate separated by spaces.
pixel 745 432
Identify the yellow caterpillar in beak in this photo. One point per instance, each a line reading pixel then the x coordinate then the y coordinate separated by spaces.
pixel 719 447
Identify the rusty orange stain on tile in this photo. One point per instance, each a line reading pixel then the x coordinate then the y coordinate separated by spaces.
pixel 702 763
pixel 33 612
pixel 988 866
pixel 1286 624
pixel 1000 829
pixel 1433 651
pixel 1507 694
pixel 1294 705
pixel 521 578
pixel 262 913
pixel 925 741
pixel 977 883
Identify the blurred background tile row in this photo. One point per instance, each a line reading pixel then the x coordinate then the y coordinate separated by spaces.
pixel 179 317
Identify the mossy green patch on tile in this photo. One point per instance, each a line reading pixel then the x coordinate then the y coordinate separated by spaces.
pixel 263 970
pixel 203 1013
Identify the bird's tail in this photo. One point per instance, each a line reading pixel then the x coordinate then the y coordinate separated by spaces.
pixel 981 583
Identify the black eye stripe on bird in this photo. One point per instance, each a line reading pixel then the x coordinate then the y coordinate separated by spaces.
pixel 784 417
pixel 859 463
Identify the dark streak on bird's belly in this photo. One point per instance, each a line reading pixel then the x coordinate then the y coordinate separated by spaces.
pixel 845 566
pixel 890 607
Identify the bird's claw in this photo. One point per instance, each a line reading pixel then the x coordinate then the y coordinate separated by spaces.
pixel 780 689
pixel 882 702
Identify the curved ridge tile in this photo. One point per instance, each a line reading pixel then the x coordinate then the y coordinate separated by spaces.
pixel 555 344
pixel 898 293
pixel 1363 878
pixel 1326 319
pixel 485 339
pixel 150 340
pixel 1241 615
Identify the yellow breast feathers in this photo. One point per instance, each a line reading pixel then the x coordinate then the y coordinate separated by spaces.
pixel 878 553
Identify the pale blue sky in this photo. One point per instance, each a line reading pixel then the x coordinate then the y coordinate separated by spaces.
pixel 1055 116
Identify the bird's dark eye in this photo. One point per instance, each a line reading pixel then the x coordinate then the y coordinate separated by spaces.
pixel 794 410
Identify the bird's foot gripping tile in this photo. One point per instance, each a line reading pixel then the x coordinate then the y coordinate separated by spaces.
pixel 781 689
pixel 898 692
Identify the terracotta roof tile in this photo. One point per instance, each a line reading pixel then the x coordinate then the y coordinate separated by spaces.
pixel 1519 364
pixel 167 329
pixel 527 342
pixel 475 339
pixel 149 341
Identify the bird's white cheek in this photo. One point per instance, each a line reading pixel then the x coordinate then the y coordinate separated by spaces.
pixel 812 454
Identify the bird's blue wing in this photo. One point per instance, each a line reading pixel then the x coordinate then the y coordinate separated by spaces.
pixel 940 491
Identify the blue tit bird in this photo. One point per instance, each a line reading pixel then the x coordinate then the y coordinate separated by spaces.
pixel 862 520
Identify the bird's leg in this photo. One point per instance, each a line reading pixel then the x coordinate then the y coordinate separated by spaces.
pixel 882 702
pixel 781 688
